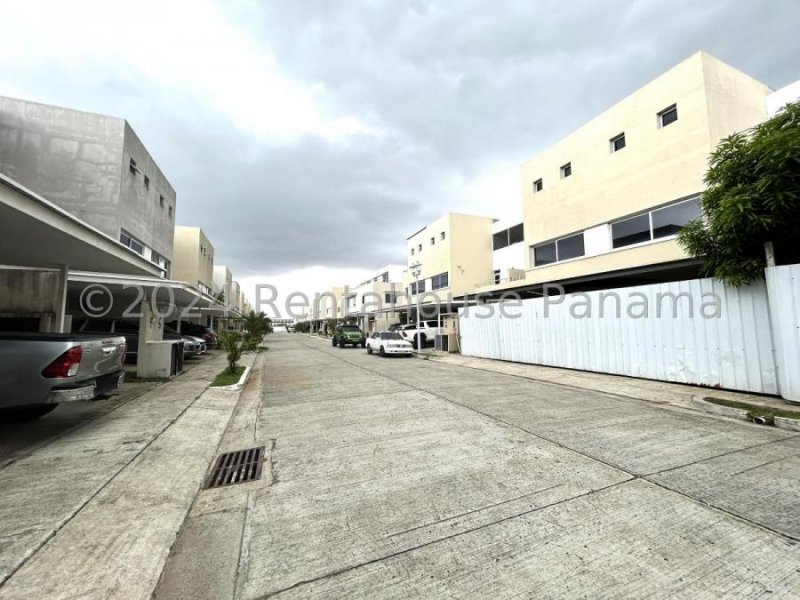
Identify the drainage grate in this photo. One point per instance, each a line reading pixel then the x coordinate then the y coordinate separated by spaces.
pixel 236 467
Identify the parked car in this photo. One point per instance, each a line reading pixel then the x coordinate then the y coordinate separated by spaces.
pixel 206 333
pixel 388 342
pixel 130 329
pixel 38 371
pixel 426 332
pixel 348 334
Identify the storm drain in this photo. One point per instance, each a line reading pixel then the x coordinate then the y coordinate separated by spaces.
pixel 236 467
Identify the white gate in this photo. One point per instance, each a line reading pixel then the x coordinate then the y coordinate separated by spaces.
pixel 699 332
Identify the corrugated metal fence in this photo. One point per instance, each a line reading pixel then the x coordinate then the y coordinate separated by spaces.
pixel 698 331
pixel 783 284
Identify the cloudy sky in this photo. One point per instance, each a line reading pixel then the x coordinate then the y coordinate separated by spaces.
pixel 310 138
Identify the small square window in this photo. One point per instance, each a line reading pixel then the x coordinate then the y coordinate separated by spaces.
pixel 132 167
pixel 668 115
pixel 433 241
pixel 161 200
pixel 419 247
pixel 617 142
pixel 443 236
pixel 566 170
pixel 146 182
pixel 537 186
pixel 412 252
pixel 170 212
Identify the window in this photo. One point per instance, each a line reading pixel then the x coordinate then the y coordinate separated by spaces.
pixel 419 247
pixel 390 298
pixel 671 219
pixel 564 249
pixel 668 115
pixel 161 200
pixel 507 237
pixel 658 223
pixel 412 252
pixel 433 241
pixel 170 212
pixel 132 167
pixel 497 276
pixel 440 281
pixel 617 142
pixel 566 170
pixel 385 277
pixel 537 186
pixel 516 234
pixel 631 231
pixel 146 182
pixel 131 242
pixel 442 236
pixel 415 289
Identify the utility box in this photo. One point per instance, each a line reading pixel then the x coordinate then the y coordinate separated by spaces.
pixel 161 360
pixel 446 343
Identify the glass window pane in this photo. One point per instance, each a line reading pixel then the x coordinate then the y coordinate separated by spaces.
pixel 516 234
pixel 500 239
pixel 631 231
pixel 544 254
pixel 670 219
pixel 670 115
pixel 571 247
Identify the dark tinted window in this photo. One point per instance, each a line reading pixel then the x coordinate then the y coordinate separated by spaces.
pixel 500 239
pixel 537 185
pixel 350 328
pixel 570 247
pixel 631 231
pixel 566 170
pixel 618 143
pixel 668 115
pixel 544 254
pixel 516 234
pixel 391 335
pixel 670 220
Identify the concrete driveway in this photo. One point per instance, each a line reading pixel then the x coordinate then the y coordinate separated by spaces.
pixel 405 478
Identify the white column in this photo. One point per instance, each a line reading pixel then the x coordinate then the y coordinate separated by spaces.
pixel 61 299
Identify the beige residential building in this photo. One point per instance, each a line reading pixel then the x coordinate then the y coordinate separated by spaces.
pixel 608 200
pixel 193 258
pixel 236 297
pixel 223 280
pixel 454 254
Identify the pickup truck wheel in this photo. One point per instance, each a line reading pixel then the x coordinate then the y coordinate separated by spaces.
pixel 25 413
pixel 382 352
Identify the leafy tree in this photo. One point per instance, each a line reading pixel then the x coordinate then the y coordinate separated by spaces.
pixel 752 198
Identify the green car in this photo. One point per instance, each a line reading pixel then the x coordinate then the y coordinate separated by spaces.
pixel 348 334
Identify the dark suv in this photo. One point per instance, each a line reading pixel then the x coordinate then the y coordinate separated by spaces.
pixel 348 334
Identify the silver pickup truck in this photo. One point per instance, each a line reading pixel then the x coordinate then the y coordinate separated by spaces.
pixel 40 370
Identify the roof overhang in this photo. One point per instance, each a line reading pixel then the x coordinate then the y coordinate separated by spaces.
pixel 35 233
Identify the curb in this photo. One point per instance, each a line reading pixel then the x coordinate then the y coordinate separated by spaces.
pixel 236 386
pixel 742 414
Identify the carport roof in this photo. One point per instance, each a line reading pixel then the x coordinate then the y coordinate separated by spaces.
pixel 36 233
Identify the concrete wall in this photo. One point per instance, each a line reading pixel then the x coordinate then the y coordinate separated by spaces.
pixel 72 158
pixel 28 292
pixel 80 161
pixel 141 210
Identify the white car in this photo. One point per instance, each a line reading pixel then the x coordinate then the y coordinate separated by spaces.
pixel 427 332
pixel 388 342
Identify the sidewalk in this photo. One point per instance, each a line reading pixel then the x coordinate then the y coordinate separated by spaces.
pixel 95 512
pixel 650 390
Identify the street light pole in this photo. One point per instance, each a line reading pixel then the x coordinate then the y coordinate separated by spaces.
pixel 416 269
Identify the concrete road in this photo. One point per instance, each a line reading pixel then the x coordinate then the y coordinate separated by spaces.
pixel 405 478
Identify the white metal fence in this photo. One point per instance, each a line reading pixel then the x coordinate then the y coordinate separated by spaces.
pixel 783 284
pixel 698 331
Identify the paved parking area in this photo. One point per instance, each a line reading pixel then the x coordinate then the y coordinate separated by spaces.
pixel 398 478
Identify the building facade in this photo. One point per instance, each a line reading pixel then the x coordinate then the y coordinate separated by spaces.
pixel 193 259
pixel 454 257
pixel 93 166
pixel 612 195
